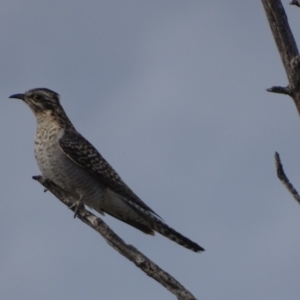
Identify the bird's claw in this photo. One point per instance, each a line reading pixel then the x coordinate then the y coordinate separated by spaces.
pixel 77 205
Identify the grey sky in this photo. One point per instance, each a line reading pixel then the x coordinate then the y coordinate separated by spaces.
pixel 172 93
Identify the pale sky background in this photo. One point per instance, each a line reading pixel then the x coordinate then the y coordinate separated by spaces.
pixel 172 93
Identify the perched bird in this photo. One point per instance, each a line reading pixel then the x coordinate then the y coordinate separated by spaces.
pixel 71 162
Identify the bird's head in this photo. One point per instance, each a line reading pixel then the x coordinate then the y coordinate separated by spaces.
pixel 45 105
pixel 40 100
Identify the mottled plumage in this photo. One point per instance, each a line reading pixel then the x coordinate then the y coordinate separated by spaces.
pixel 69 160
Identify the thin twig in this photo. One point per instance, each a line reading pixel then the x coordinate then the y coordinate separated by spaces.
pixel 295 2
pixel 130 252
pixel 279 90
pixel 283 178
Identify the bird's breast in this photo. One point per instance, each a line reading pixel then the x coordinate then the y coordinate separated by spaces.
pixel 54 164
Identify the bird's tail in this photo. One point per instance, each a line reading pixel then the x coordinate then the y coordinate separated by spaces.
pixel 153 222
pixel 175 236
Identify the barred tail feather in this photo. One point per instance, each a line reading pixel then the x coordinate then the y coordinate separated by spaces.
pixel 161 227
pixel 175 236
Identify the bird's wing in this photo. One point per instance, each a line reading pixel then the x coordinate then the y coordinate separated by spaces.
pixel 84 154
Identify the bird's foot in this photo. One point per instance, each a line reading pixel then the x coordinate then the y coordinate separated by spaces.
pixel 77 205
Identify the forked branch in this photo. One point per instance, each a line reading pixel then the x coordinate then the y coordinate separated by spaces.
pixel 289 54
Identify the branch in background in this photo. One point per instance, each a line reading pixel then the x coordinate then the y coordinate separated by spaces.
pixel 295 2
pixel 289 54
pixel 282 34
pixel 279 90
pixel 283 178
pixel 130 252
pixel 287 48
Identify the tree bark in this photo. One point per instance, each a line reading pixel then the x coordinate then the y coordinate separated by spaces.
pixel 289 54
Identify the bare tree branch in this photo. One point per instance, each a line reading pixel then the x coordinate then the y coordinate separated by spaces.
pixel 130 252
pixel 295 2
pixel 289 54
pixel 279 90
pixel 284 39
pixel 283 178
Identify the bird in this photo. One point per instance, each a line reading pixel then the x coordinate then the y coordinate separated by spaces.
pixel 69 160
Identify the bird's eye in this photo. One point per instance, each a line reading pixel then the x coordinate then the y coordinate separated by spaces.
pixel 36 97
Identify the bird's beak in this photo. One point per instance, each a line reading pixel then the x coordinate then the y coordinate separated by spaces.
pixel 18 96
